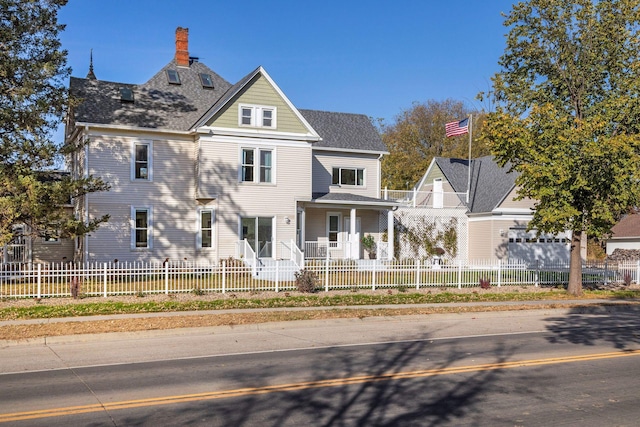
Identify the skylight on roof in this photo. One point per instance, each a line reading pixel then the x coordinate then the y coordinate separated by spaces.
pixel 206 80
pixel 126 94
pixel 173 76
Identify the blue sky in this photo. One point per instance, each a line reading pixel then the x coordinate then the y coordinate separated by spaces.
pixel 373 57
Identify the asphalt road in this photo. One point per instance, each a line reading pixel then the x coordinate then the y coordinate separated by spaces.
pixel 537 367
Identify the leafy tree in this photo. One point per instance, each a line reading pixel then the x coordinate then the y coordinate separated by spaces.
pixel 568 112
pixel 33 98
pixel 417 136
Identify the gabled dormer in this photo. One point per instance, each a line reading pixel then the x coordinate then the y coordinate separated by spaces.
pixel 256 107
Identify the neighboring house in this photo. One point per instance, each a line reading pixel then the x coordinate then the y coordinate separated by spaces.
pixel 201 169
pixel 490 223
pixel 48 247
pixel 625 234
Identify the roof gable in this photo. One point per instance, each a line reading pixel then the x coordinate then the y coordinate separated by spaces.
pixel 490 183
pixel 256 88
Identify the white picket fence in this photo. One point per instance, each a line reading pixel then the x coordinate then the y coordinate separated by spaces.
pixel 107 279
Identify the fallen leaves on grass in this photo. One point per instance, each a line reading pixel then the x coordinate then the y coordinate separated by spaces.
pixel 74 327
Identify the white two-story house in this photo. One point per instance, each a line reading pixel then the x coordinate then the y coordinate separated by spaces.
pixel 201 169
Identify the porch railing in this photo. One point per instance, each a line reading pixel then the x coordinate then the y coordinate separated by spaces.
pixel 425 199
pixel 245 252
pixel 326 249
pixel 290 251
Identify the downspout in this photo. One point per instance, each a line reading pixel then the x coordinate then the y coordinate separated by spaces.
pixel 469 171
pixel 379 174
pixel 85 256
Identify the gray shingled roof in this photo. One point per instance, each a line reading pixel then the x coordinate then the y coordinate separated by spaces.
pixel 351 199
pixel 161 105
pixel 490 183
pixel 344 130
pixel 158 104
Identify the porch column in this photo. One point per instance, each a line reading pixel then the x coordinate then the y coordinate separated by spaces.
pixel 390 236
pixel 354 247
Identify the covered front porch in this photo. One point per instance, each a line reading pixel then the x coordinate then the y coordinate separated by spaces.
pixel 333 226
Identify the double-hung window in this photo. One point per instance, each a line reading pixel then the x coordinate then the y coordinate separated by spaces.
pixel 142 161
pixel 257 116
pixel 205 228
pixel 141 228
pixel 348 176
pixel 257 165
pixel 248 164
pixel 266 165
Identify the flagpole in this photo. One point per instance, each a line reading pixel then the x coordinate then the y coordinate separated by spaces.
pixel 469 176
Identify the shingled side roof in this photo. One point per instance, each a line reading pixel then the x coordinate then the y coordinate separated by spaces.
pixel 344 131
pixel 490 183
pixel 628 227
pixel 157 103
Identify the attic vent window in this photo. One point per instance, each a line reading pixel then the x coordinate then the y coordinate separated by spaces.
pixel 126 94
pixel 206 80
pixel 173 77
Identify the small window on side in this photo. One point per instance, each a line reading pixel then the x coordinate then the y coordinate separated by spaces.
pixel 142 161
pixel 141 228
pixel 206 228
pixel 126 94
pixel 247 114
pixel 267 118
pixel 206 80
pixel 173 77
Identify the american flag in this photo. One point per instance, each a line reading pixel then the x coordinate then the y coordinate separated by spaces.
pixel 457 128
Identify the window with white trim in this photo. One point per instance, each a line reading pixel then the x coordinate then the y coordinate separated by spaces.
pixel 260 159
pixel 205 228
pixel 141 222
pixel 333 226
pixel 257 116
pixel 348 176
pixel 142 161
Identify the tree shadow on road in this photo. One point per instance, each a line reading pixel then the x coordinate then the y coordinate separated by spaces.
pixel 429 395
pixel 596 325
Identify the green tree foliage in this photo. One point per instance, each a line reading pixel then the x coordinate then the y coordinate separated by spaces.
pixel 568 114
pixel 33 98
pixel 417 136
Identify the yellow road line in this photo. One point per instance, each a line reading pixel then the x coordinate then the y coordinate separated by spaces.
pixel 336 382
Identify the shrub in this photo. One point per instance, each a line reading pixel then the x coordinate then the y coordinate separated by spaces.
pixel 485 283
pixel 627 278
pixel 306 281
pixel 232 262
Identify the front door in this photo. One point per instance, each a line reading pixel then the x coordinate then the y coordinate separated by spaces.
pixel 438 194
pixel 354 246
pixel 259 233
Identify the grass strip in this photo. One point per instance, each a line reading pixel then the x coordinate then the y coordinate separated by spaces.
pixel 312 300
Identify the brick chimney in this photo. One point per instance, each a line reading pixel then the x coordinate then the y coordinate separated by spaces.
pixel 182 47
